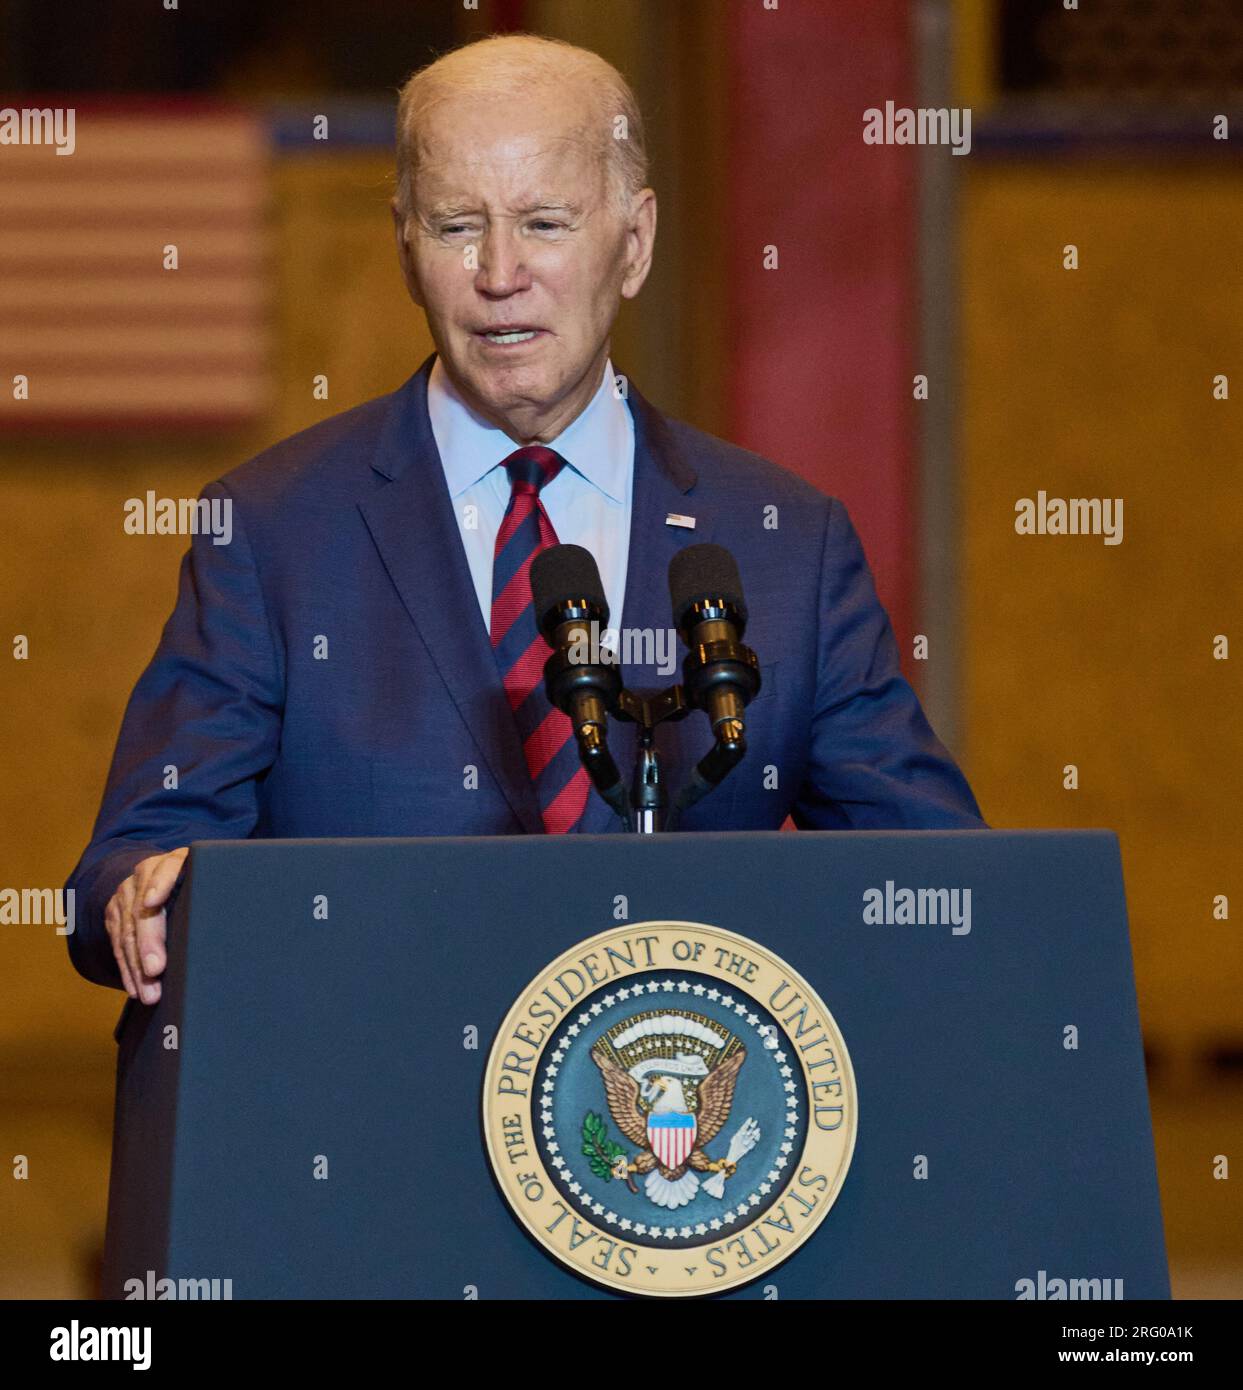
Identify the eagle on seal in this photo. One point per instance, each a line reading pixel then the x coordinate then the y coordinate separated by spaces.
pixel 643 1110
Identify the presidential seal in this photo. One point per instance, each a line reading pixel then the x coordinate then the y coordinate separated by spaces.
pixel 670 1109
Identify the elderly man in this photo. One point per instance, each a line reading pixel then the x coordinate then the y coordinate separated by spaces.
pixel 362 659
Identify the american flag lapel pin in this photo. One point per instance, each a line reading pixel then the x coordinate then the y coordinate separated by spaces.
pixel 677 519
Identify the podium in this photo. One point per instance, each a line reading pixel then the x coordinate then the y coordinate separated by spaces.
pixel 303 1113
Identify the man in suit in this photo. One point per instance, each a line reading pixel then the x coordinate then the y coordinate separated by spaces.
pixel 362 658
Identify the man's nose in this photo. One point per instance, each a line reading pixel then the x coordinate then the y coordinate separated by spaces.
pixel 502 264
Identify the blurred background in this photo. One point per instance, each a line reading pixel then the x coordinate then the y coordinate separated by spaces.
pixel 255 136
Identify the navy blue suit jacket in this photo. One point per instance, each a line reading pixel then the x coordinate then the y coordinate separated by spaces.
pixel 328 672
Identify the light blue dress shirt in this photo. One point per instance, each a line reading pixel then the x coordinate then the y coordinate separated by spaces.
pixel 588 502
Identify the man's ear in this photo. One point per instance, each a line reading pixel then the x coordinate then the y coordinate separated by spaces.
pixel 640 242
pixel 403 254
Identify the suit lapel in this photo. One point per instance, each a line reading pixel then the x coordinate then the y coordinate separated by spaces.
pixel 412 522
pixel 415 530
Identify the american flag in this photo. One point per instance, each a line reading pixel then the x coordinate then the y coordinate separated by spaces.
pixel 104 333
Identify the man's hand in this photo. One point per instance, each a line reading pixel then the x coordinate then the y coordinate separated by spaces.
pixel 137 923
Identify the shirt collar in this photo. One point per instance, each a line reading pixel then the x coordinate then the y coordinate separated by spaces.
pixel 597 444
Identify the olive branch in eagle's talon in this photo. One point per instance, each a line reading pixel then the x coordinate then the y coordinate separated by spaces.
pixel 606 1158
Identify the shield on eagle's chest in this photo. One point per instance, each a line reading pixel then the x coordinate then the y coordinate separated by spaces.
pixel 672 1137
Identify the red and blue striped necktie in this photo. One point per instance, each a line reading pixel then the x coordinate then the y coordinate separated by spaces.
pixel 547 735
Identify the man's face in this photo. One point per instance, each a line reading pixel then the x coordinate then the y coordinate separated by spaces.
pixel 519 257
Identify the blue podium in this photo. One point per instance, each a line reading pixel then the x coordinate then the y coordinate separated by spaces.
pixel 320 1105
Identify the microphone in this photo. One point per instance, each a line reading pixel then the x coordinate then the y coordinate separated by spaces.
pixel 569 600
pixel 720 674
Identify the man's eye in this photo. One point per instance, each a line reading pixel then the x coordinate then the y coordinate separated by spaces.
pixel 452 228
pixel 543 224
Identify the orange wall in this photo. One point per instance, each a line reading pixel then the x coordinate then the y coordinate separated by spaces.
pixel 92 602
pixel 1097 383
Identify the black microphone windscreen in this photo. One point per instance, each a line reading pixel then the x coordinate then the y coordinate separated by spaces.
pixel 704 571
pixel 565 572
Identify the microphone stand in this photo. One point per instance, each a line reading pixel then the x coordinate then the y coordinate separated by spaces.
pixel 649 793
pixel 647 811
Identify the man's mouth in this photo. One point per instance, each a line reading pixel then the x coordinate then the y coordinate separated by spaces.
pixel 507 335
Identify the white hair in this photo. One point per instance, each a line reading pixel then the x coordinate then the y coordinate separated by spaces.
pixel 512 64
